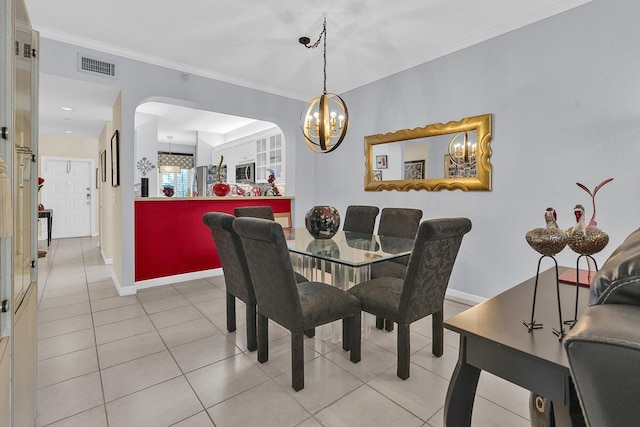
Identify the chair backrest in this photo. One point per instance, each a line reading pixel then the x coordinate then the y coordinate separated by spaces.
pixel 231 253
pixel 254 211
pixel 430 264
pixel 360 219
pixel 399 222
pixel 271 271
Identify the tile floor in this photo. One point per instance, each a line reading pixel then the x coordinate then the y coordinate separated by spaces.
pixel 164 358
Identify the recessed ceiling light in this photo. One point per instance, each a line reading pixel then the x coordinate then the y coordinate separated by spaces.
pixel 67 108
pixel 68 131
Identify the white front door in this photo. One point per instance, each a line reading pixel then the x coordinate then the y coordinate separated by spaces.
pixel 68 191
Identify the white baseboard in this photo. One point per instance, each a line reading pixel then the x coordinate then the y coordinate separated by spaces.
pixel 463 297
pixel 107 261
pixel 122 290
pixel 143 284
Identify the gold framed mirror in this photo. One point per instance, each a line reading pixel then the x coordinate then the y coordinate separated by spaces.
pixel 451 156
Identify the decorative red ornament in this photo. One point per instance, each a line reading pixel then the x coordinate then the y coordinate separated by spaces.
pixel 221 188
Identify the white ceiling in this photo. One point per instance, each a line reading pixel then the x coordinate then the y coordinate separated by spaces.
pixel 254 43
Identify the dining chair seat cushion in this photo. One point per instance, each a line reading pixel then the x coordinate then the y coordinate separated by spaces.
pixel 322 303
pixel 380 296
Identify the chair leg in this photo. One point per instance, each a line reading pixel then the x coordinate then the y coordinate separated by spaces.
pixel 388 325
pixel 297 362
pixel 355 330
pixel 263 338
pixel 404 351
pixel 347 324
pixel 437 333
pixel 379 322
pixel 252 343
pixel 231 312
pixel 310 333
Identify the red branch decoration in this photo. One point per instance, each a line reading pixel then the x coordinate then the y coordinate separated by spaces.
pixel 592 222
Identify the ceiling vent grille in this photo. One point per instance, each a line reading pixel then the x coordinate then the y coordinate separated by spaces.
pixel 96 66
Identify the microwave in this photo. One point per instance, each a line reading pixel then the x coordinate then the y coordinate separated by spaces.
pixel 246 173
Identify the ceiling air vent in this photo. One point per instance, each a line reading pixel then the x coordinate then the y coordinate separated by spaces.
pixel 96 66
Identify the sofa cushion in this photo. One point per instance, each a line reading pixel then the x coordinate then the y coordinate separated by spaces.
pixel 618 281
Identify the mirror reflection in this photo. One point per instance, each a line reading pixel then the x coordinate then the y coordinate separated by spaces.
pixel 439 156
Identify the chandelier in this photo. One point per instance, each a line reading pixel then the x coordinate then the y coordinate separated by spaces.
pixel 324 119
pixel 462 153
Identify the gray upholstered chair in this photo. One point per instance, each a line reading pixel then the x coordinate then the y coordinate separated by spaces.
pixel 360 219
pixel 395 222
pixel 254 211
pixel 296 307
pixel 265 212
pixel 236 272
pixel 422 291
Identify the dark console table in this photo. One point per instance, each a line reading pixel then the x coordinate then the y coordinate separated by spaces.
pixel 48 214
pixel 493 338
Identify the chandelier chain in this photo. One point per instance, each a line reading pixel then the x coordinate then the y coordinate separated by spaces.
pixel 324 30
pixel 324 57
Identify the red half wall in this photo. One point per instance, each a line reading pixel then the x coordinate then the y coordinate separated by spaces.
pixel 170 237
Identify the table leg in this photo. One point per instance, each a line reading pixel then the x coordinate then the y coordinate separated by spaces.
pixel 569 415
pixel 458 405
pixel 49 228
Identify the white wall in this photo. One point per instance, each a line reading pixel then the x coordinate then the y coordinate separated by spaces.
pixel 204 147
pixel 147 146
pixel 140 82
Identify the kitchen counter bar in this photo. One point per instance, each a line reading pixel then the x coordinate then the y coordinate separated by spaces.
pixel 171 239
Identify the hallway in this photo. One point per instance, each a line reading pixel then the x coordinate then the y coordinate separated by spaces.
pixel 163 357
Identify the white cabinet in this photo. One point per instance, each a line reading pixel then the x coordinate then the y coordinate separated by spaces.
pixel 18 245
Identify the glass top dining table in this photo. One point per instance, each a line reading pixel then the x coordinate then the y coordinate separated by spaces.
pixel 346 258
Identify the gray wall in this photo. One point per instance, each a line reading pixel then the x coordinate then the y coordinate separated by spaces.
pixel 565 99
pixel 564 94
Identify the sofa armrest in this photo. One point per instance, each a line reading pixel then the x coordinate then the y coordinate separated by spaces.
pixel 604 354
pixel 618 281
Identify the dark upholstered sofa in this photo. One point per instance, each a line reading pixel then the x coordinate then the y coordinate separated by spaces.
pixel 604 345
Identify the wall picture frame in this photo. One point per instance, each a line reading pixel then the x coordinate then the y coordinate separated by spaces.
pixel 381 162
pixel 103 166
pixel 377 175
pixel 115 159
pixel 414 169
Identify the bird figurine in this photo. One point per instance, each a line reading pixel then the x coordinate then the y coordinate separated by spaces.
pixel 585 240
pixel 549 240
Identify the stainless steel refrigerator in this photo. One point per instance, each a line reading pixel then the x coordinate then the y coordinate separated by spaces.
pixel 204 181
